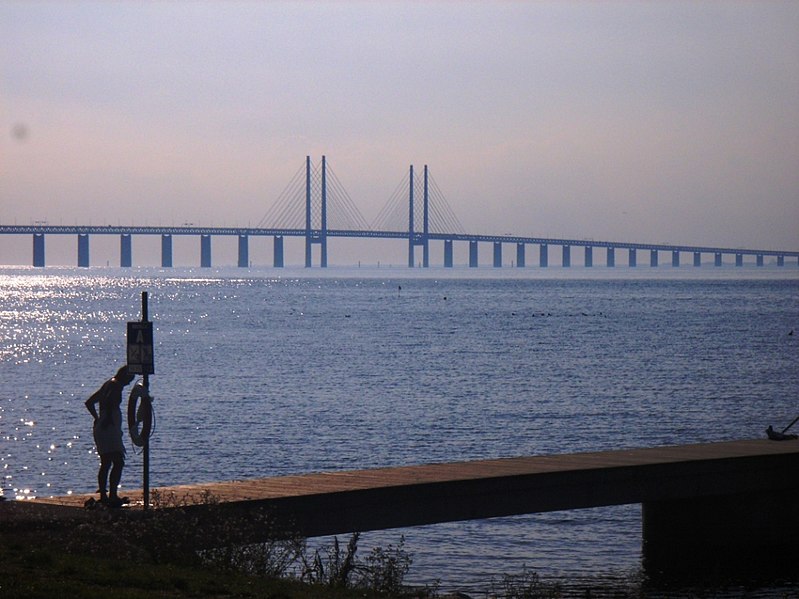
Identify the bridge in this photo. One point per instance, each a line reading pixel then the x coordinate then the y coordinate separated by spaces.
pixel 711 505
pixel 316 206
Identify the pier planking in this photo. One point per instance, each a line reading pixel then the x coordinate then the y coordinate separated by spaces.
pixel 337 502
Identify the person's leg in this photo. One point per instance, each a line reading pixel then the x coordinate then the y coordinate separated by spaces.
pixel 118 462
pixel 102 476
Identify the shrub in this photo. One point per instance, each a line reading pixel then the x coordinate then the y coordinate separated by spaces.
pixel 382 571
pixel 526 585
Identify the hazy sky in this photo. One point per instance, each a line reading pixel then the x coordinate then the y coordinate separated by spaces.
pixel 645 121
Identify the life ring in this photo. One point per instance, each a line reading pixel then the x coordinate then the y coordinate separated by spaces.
pixel 140 415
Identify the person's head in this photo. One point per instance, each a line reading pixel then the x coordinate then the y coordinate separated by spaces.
pixel 124 376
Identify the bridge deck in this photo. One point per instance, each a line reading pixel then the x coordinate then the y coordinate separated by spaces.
pixel 339 502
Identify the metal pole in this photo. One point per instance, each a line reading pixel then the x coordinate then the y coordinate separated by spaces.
pixel 146 448
pixel 795 420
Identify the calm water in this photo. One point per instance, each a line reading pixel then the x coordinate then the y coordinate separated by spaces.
pixel 269 372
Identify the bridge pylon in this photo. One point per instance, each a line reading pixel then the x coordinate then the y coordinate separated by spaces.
pixel 419 238
pixel 312 235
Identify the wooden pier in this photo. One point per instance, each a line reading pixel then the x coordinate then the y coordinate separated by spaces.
pixel 707 497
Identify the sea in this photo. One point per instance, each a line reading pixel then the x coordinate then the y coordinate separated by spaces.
pixel 266 372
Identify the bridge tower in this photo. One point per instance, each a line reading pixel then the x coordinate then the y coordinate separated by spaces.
pixel 423 238
pixel 312 235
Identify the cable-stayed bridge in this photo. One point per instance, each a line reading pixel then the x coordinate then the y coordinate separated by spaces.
pixel 315 205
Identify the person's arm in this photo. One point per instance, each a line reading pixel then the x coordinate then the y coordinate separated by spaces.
pixel 94 399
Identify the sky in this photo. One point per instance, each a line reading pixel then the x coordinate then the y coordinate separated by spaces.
pixel 655 122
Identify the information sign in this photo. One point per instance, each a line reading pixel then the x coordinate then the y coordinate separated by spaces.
pixel 140 348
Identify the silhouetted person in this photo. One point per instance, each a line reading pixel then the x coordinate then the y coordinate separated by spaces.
pixel 108 433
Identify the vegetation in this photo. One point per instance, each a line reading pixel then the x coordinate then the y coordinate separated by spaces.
pixel 527 585
pixel 381 572
pixel 182 552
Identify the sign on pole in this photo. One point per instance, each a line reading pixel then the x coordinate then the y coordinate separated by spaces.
pixel 140 348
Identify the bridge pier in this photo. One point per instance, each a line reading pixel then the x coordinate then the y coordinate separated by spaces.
pixel 717 259
pixel 675 259
pixel 447 253
pixel 700 537
pixel 497 254
pixel 277 245
pixel 589 256
pixel 632 259
pixel 520 261
pixel 38 250
pixel 780 260
pixel 611 257
pixel 83 250
pixel 125 250
pixel 543 255
pixel 422 240
pixel 166 250
pixel 205 251
pixel 321 239
pixel 760 259
pixel 473 254
pixel 653 258
pixel 739 259
pixel 567 256
pixel 244 251
pixel 697 258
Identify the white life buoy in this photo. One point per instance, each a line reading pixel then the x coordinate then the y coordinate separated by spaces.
pixel 141 414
